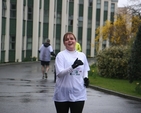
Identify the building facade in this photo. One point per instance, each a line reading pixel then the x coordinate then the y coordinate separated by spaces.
pixel 25 24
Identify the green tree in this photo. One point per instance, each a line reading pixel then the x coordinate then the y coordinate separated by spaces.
pixel 112 62
pixel 134 67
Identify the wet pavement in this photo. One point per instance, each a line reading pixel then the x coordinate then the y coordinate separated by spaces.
pixel 22 90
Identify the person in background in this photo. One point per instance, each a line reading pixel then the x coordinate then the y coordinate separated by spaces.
pixel 71 77
pixel 45 56
pixel 78 47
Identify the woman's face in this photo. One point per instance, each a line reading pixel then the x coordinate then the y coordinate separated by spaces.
pixel 70 42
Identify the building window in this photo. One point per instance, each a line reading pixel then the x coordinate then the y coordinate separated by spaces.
pixel 89 23
pixel 90 3
pixel 105 6
pixel 4 7
pixel 88 44
pixel 80 22
pixel 44 40
pixel 29 43
pixel 71 0
pixel 12 42
pixel 40 15
pixel 98 9
pixel 2 42
pixel 23 12
pixel 70 20
pixel 112 7
pixel 105 10
pixel 89 17
pixel 46 16
pixel 23 43
pixel 112 11
pixel 97 24
pixel 98 6
pixel 13 10
pixel 57 43
pixel 81 1
pixel 30 13
pixel 58 19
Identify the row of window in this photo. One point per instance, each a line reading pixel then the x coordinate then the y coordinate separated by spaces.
pixel 58 19
pixel 13 11
pixel 46 12
pixel 12 42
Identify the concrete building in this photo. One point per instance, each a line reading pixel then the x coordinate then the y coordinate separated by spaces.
pixel 25 24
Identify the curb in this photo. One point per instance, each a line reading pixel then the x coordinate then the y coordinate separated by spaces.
pixel 16 63
pixel 115 93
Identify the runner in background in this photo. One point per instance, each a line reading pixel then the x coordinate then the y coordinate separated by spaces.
pixel 45 56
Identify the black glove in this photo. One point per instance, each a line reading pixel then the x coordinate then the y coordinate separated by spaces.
pixel 86 82
pixel 53 54
pixel 77 63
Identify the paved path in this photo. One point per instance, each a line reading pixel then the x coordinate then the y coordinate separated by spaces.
pixel 22 90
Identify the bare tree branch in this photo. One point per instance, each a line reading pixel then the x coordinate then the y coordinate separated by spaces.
pixel 134 7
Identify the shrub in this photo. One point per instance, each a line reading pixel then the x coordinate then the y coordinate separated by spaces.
pixel 26 59
pixel 113 62
pixel 34 58
pixel 134 70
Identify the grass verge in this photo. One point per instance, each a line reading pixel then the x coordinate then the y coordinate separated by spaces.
pixel 118 85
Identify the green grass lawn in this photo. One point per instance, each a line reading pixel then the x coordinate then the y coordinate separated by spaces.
pixel 118 85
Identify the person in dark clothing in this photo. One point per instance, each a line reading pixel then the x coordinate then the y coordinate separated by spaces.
pixel 46 51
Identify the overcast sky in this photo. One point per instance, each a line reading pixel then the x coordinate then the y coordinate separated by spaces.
pixel 122 3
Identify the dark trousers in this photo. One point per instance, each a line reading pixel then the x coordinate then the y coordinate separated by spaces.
pixel 75 107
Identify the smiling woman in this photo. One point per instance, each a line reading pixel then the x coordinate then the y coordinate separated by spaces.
pixel 71 77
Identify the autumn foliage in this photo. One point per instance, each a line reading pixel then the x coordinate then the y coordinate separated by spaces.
pixel 120 31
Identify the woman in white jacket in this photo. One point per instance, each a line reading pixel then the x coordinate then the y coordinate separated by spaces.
pixel 71 77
